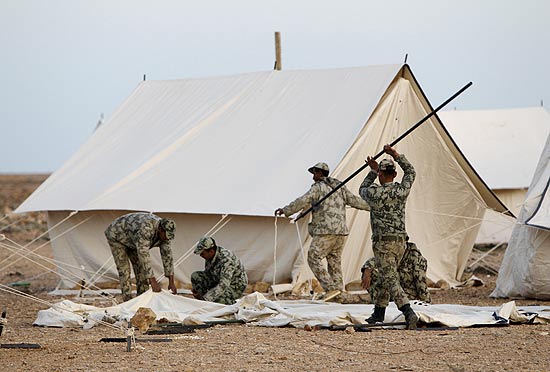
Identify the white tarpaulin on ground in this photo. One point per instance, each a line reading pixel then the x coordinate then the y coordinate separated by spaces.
pixel 219 155
pixel 524 270
pixel 504 147
pixel 255 309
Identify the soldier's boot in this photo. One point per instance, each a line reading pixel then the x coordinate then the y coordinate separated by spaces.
pixel 410 316
pixel 377 316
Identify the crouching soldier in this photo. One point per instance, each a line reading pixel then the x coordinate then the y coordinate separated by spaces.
pixel 130 238
pixel 223 279
pixel 411 271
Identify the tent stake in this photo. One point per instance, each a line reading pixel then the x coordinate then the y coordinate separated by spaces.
pixel 382 152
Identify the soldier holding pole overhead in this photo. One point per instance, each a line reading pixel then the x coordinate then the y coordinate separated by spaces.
pixel 387 217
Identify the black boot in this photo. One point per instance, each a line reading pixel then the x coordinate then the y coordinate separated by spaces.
pixel 377 316
pixel 410 316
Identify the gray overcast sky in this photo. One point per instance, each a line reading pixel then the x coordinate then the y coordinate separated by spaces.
pixel 64 62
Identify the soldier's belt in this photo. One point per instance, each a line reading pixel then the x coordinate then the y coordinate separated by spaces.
pixel 390 239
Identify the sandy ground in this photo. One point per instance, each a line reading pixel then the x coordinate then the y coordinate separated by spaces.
pixel 241 347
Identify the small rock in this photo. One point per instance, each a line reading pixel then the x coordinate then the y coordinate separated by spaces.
pixel 143 318
pixel 350 330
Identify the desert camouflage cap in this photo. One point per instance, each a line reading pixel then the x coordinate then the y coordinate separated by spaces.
pixel 386 165
pixel 321 166
pixel 169 227
pixel 205 243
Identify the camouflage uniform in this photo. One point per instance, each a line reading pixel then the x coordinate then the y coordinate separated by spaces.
pixel 130 238
pixel 223 280
pixel 387 203
pixel 412 275
pixel 327 227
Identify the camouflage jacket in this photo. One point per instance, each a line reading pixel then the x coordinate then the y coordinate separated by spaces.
pixel 227 270
pixel 139 231
pixel 330 216
pixel 387 202
pixel 412 274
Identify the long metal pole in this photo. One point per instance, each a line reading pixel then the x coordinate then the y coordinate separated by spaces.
pixel 382 152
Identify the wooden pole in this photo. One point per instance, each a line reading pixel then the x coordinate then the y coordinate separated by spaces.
pixel 278 61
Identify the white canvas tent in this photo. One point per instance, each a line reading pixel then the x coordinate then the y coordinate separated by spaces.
pixel 504 147
pixel 524 269
pixel 220 154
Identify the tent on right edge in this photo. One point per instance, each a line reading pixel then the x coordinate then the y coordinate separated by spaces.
pixel 524 269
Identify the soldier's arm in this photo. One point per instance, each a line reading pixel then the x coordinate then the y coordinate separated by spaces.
pixel 225 281
pixel 367 183
pixel 168 264
pixel 302 202
pixel 409 174
pixel 354 201
pixel 167 259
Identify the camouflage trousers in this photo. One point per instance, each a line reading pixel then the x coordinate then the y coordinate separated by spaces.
pixel 123 256
pixel 388 254
pixel 329 247
pixel 202 282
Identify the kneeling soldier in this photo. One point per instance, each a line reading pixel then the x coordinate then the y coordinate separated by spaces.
pixel 223 279
pixel 411 271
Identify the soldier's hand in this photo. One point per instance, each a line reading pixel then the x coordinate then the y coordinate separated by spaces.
pixel 390 151
pixel 279 212
pixel 172 285
pixel 196 295
pixel 155 286
pixel 365 282
pixel 372 163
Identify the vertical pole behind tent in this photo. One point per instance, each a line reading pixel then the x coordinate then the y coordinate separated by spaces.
pixel 278 61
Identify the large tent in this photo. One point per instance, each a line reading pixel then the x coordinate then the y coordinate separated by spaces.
pixel 524 268
pixel 504 147
pixel 220 154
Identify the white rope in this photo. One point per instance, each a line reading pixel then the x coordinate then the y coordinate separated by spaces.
pixel 39 236
pixel 62 276
pixel 446 214
pixel 275 258
pixel 11 224
pixel 506 227
pixel 5 216
pixel 40 246
pixel 210 232
pixel 456 233
pixel 16 292
pixel 97 272
pixel 310 280
pixel 52 261
pixel 59 274
pixel 54 226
